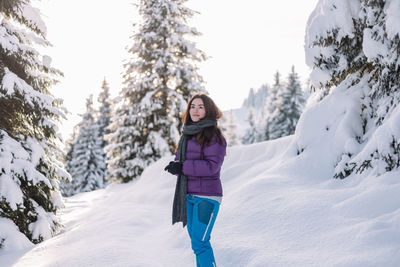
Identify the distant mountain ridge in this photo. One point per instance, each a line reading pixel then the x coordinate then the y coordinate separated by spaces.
pixel 257 100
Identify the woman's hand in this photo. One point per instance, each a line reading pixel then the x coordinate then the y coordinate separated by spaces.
pixel 174 167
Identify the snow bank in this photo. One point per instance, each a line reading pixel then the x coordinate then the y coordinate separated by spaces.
pixel 15 240
pixel 13 243
pixel 275 212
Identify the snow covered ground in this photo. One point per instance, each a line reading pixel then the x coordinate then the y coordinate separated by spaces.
pixel 274 212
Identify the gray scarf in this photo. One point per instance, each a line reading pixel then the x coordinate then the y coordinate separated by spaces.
pixel 179 207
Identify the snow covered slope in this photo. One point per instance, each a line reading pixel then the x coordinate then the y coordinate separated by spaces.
pixel 276 211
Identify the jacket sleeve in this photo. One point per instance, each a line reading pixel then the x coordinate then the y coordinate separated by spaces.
pixel 210 164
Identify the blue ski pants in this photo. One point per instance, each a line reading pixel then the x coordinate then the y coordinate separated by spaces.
pixel 201 215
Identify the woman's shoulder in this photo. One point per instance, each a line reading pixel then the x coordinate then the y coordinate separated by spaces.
pixel 218 139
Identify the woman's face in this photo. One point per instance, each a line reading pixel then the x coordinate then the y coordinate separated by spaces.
pixel 197 110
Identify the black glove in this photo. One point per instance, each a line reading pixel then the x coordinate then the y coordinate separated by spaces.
pixel 174 167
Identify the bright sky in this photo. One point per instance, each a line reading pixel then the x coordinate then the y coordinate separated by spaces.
pixel 247 42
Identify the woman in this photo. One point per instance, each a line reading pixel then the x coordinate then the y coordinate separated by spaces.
pixel 198 162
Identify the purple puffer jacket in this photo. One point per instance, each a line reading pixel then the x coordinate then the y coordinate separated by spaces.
pixel 202 167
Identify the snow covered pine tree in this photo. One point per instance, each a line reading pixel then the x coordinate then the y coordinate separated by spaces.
pixel 29 168
pixel 66 187
pixel 270 106
pixel 255 103
pixel 87 166
pixel 231 134
pixel 159 80
pixel 103 122
pixel 288 107
pixel 94 137
pixel 354 46
pixel 273 94
pixel 251 133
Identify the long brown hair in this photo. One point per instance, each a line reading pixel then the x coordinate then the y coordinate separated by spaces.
pixel 212 113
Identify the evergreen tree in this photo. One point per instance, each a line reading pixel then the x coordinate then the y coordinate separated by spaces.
pixel 104 120
pixel 261 124
pixel 222 123
pixel 270 106
pixel 249 102
pixel 289 105
pixel 273 94
pixel 87 165
pixel 366 59
pixel 159 80
pixel 29 167
pixel 256 103
pixel 261 97
pixel 231 130
pixel 66 187
pixel 251 134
